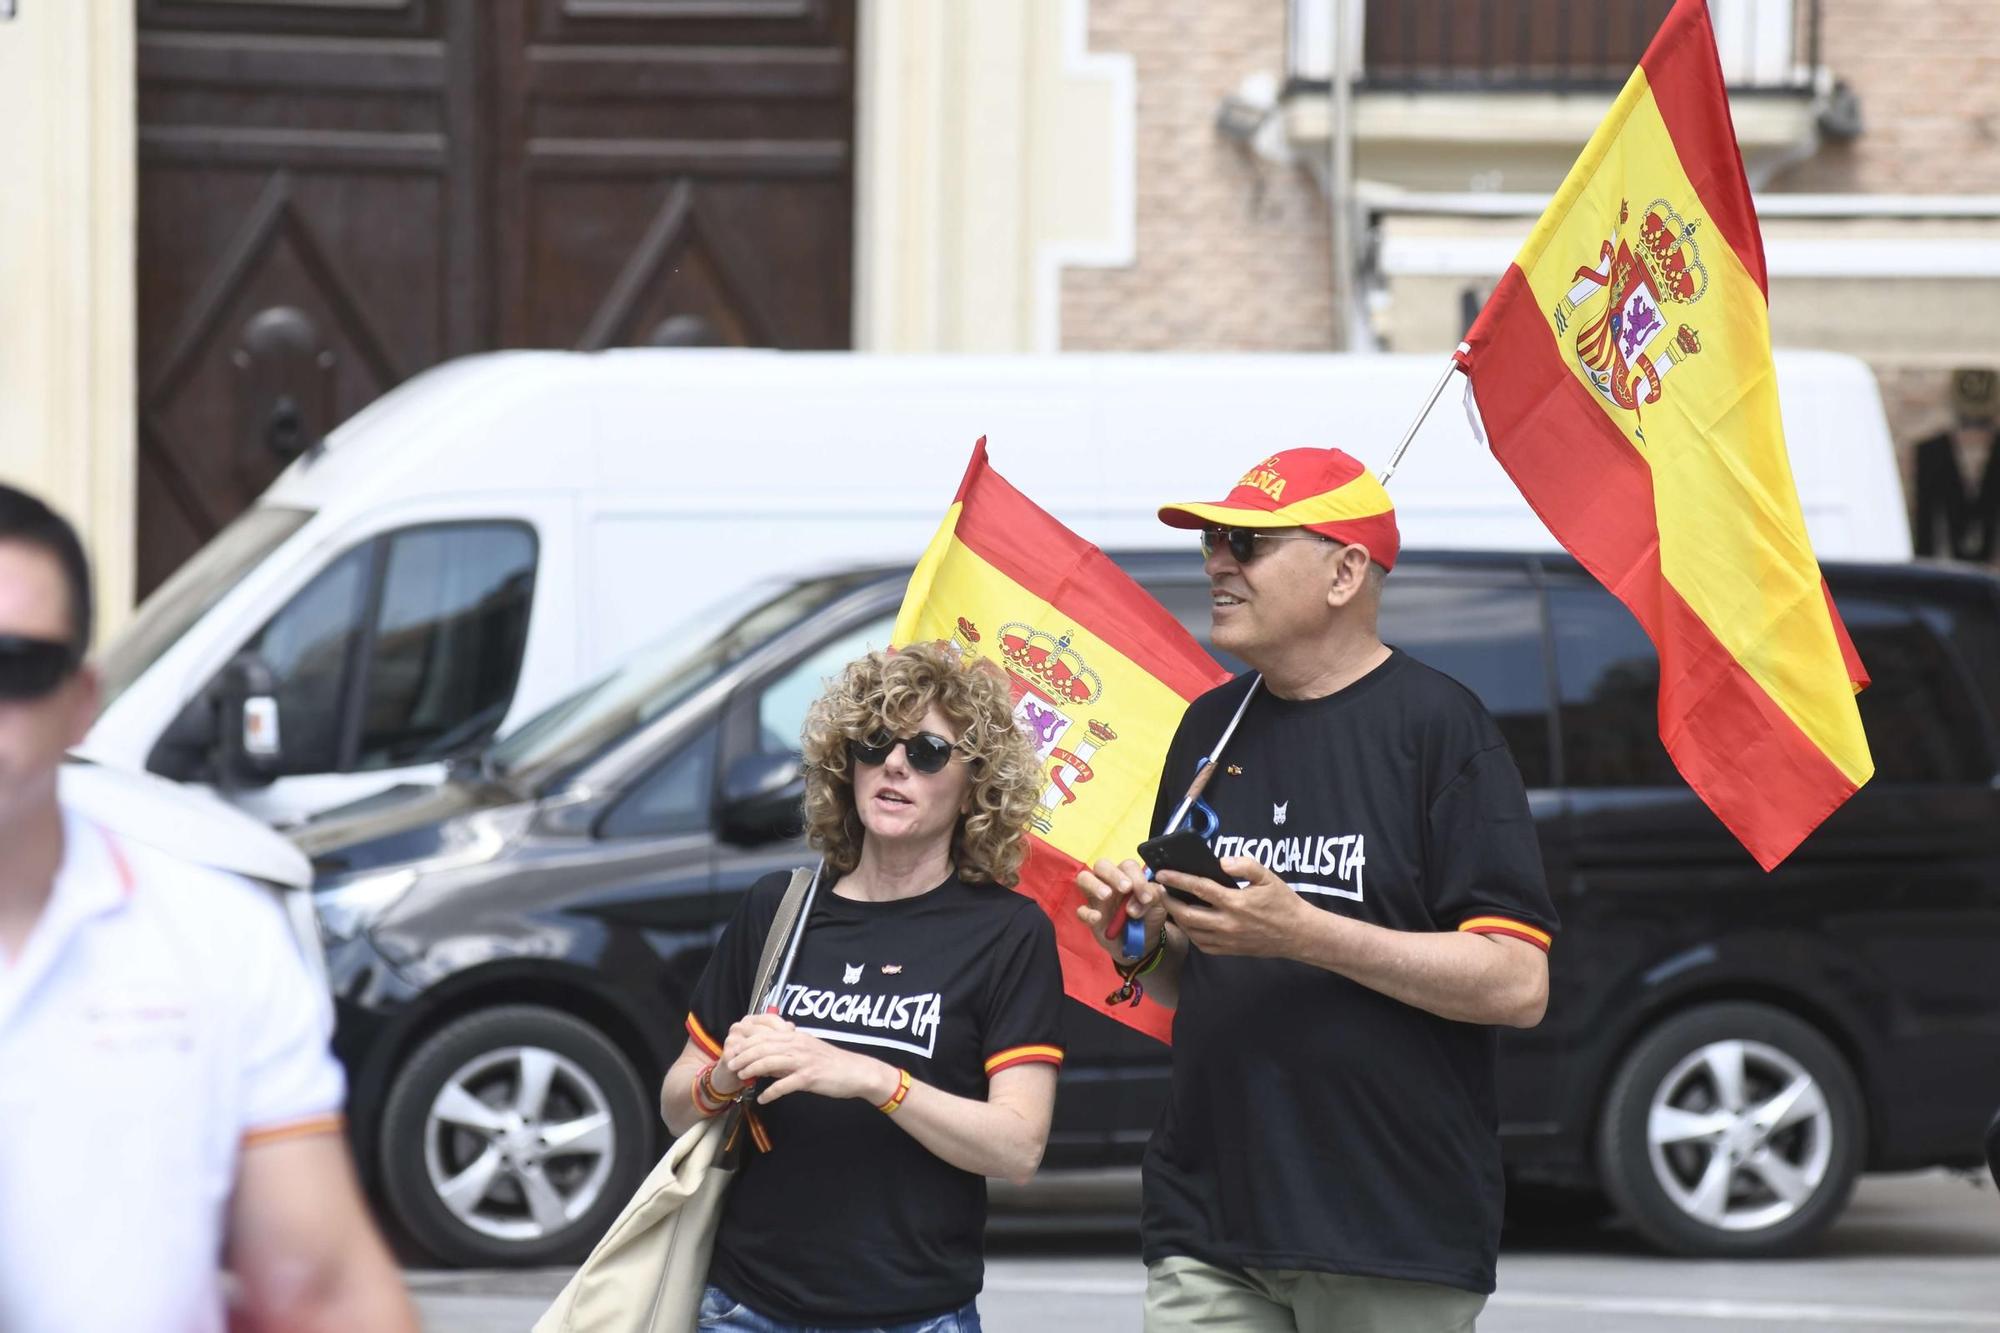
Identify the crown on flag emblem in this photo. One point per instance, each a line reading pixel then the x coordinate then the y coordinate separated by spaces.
pixel 1051 662
pixel 1668 250
pixel 1618 306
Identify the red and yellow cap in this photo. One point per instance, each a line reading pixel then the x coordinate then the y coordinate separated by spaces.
pixel 1320 490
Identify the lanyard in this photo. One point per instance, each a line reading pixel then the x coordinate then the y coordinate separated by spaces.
pixel 1191 804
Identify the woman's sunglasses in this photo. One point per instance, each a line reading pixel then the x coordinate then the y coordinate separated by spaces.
pixel 1246 544
pixel 927 752
pixel 31 668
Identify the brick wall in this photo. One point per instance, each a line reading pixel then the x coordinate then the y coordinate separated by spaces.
pixel 1231 250
pixel 1925 71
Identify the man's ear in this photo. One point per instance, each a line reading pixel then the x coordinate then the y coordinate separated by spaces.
pixel 87 689
pixel 1350 575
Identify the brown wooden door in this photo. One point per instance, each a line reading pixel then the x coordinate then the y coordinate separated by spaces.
pixel 336 194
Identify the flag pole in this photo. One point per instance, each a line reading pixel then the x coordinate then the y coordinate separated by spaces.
pixel 1437 391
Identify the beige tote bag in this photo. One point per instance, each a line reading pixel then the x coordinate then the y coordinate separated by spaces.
pixel 648 1273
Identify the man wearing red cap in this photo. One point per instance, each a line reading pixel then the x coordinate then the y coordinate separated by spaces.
pixel 1329 1156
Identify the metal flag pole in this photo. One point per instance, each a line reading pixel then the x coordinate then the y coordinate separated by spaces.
pixel 1437 391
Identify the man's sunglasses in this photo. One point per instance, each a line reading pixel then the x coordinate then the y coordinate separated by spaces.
pixel 927 752
pixel 1246 544
pixel 31 668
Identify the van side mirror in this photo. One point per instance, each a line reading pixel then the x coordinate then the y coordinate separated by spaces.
pixel 228 734
pixel 763 798
pixel 248 746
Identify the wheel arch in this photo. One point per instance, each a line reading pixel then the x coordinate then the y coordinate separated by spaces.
pixel 1822 1017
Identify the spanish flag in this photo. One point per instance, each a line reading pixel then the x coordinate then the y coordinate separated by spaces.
pixel 1622 374
pixel 1100 674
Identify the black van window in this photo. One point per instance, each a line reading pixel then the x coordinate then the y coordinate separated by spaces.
pixel 1487 637
pixel 1967 617
pixel 450 629
pixel 308 646
pixel 673 798
pixel 1922 723
pixel 1608 679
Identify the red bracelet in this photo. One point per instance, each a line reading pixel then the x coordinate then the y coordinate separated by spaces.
pixel 902 1090
pixel 706 1099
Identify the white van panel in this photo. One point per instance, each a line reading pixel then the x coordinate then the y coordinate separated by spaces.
pixel 661 480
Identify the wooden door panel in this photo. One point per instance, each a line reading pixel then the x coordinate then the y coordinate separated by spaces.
pixel 337 194
pixel 333 18
pixel 696 22
pixel 675 165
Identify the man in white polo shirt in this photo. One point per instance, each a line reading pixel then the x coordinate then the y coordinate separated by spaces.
pixel 169 1105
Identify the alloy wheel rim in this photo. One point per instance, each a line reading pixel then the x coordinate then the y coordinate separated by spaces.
pixel 1739 1135
pixel 519 1142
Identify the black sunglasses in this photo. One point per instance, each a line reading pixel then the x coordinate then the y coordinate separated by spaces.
pixel 927 752
pixel 31 668
pixel 1246 544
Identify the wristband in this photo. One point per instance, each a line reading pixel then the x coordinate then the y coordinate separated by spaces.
pixel 895 1102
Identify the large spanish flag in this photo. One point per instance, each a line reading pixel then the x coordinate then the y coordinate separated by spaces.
pixel 1100 673
pixel 1622 373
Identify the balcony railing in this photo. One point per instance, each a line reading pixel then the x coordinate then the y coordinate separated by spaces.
pixel 1545 45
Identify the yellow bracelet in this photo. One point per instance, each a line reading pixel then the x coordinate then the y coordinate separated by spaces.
pixel 902 1090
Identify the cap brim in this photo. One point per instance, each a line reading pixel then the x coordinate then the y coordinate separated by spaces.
pixel 1199 514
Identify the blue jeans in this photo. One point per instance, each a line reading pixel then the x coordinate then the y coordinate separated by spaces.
pixel 720 1310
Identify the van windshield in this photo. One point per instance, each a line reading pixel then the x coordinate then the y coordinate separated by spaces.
pixel 193 590
pixel 574 730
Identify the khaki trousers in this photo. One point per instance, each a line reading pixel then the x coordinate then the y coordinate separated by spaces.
pixel 1189 1296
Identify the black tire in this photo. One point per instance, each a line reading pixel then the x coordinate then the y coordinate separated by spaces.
pixel 592 1082
pixel 1777 1192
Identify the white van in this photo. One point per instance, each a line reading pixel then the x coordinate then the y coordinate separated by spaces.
pixel 494 532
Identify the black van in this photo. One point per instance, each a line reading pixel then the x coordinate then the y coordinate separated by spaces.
pixel 1724 1049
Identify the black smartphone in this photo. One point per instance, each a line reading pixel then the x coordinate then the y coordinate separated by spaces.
pixel 1186 852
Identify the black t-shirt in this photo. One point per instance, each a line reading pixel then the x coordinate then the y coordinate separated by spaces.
pixel 1315 1123
pixel 847 1220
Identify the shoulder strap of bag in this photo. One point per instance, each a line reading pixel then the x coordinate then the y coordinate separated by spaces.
pixel 781 931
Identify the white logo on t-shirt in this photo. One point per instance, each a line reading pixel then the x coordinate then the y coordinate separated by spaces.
pixel 1327 866
pixel 1278 812
pixel 905 1022
pixel 851 972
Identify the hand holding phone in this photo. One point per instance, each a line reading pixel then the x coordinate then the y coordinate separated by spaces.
pixel 1186 852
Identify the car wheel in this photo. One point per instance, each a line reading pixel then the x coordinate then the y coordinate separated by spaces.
pixel 1731 1130
pixel 513 1136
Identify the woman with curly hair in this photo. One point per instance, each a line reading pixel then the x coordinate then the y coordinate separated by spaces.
pixel 920 1026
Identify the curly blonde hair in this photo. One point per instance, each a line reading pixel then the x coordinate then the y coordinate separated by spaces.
pixel 892 691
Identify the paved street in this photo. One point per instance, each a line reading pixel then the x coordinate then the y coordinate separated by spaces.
pixel 1913 1253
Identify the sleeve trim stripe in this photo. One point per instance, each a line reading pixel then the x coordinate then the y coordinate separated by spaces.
pixel 294 1129
pixel 709 1045
pixel 1021 1055
pixel 1504 925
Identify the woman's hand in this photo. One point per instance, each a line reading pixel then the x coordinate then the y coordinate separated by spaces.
pixel 766 1046
pixel 1117 891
